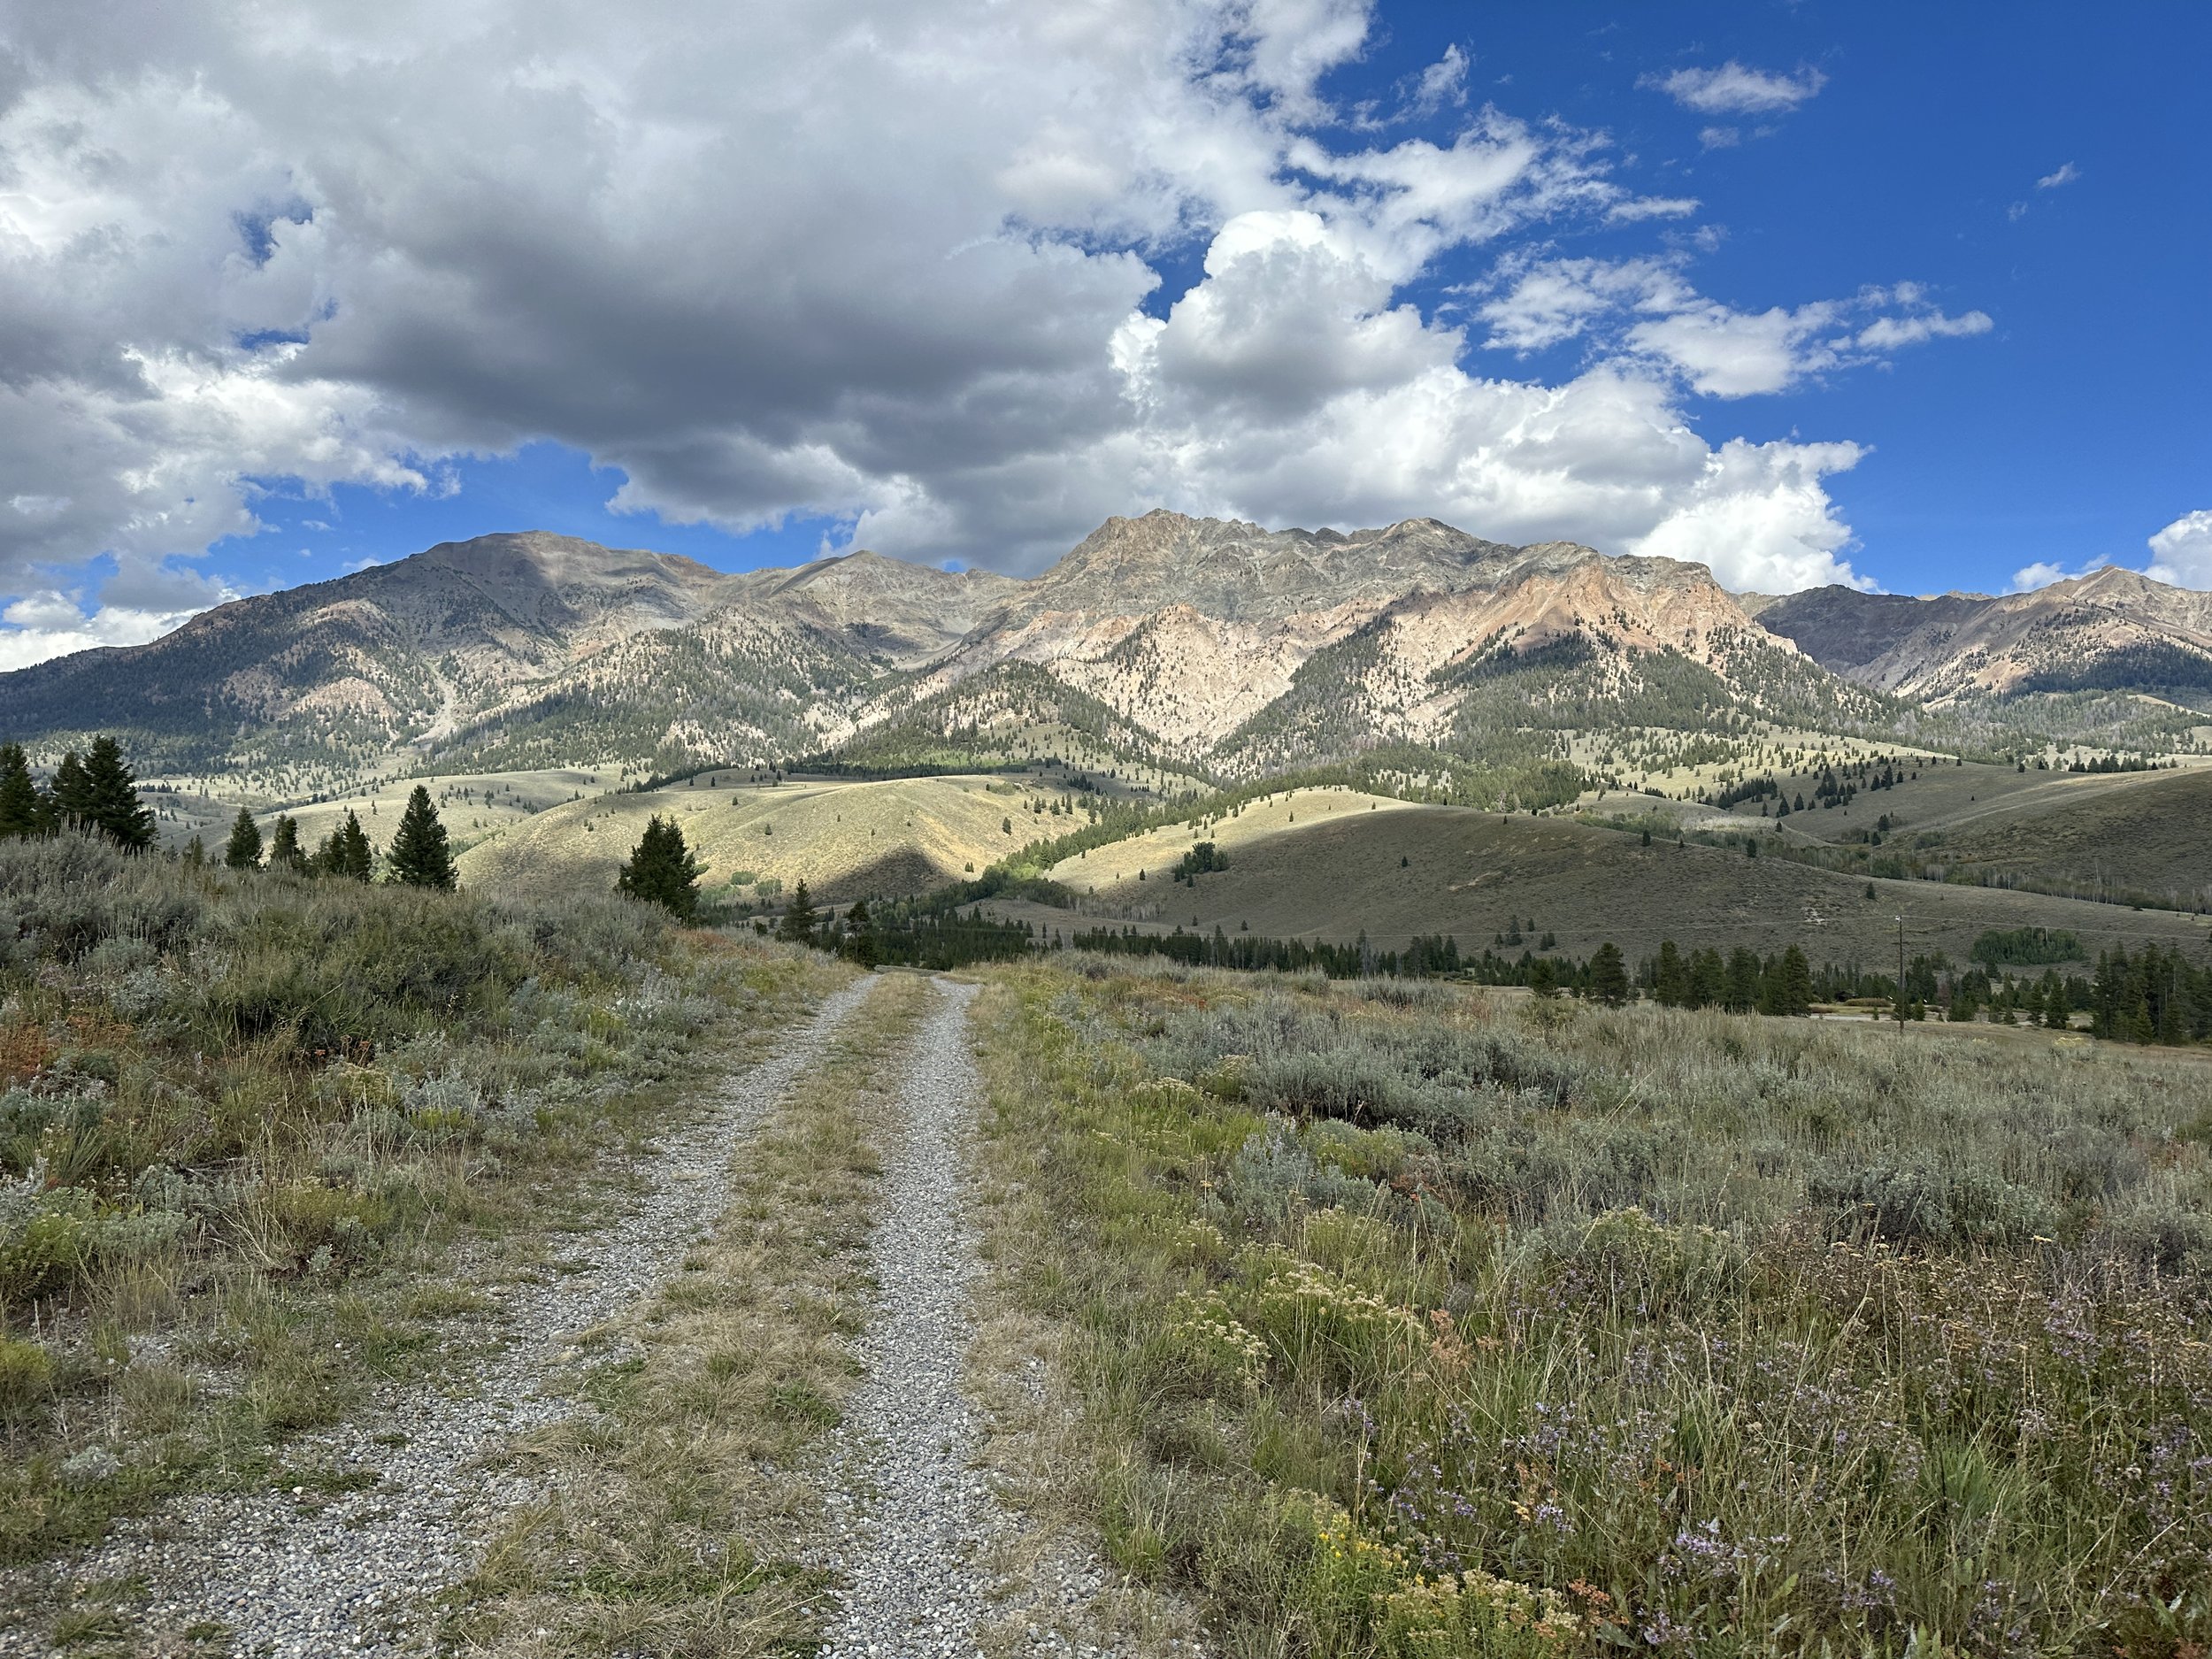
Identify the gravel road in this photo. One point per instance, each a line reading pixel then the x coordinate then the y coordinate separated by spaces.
pixel 911 1514
pixel 291 1574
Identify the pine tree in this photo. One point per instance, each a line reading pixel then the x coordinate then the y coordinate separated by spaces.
pixel 1742 995
pixel 861 944
pixel 111 807
pixel 419 857
pixel 1787 987
pixel 1608 976
pixel 662 870
pixel 284 845
pixel 1708 977
pixel 196 851
pixel 1543 979
pixel 797 927
pixel 347 853
pixel 23 810
pixel 71 794
pixel 244 851
pixel 1671 981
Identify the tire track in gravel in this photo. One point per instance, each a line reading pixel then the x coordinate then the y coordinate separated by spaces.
pixel 913 1515
pixel 354 1577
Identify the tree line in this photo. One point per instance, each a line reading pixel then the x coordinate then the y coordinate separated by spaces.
pixel 2156 995
pixel 96 794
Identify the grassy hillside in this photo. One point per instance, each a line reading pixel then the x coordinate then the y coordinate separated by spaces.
pixel 2121 837
pixel 1333 864
pixel 846 840
pixel 472 805
pixel 2150 832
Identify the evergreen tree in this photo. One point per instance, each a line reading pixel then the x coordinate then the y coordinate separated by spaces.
pixel 196 851
pixel 347 853
pixel 797 927
pixel 71 794
pixel 1708 977
pixel 284 845
pixel 244 851
pixel 662 870
pixel 861 943
pixel 1542 977
pixel 1608 976
pixel 23 810
pixel 1671 980
pixel 419 857
pixel 111 807
pixel 1742 994
pixel 1787 988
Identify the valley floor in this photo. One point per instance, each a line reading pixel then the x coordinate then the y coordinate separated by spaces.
pixel 1068 1308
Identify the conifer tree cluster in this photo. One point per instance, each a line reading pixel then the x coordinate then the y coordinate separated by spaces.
pixel 1739 982
pixel 345 852
pixel 93 794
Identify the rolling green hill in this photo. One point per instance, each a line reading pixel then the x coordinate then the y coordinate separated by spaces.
pixel 1333 864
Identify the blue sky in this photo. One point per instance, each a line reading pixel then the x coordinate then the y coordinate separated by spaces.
pixel 1902 295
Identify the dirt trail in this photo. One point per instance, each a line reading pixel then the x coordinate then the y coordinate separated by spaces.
pixel 288 1574
pixel 914 1517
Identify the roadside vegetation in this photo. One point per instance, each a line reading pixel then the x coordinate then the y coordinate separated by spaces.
pixel 1409 1320
pixel 253 1125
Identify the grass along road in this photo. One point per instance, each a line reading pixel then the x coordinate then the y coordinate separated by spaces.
pixel 393 1517
pixel 1409 1321
pixel 929 1560
pixel 786 1456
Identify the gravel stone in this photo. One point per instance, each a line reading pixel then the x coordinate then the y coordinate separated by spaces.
pixel 294 1574
pixel 912 1513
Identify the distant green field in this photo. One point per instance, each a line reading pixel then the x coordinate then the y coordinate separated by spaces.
pixel 1333 864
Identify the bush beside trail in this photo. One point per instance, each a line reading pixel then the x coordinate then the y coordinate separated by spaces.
pixel 244 1112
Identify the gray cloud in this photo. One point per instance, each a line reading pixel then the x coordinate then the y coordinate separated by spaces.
pixel 883 263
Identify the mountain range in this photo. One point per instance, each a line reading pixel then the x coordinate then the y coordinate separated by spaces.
pixel 1210 647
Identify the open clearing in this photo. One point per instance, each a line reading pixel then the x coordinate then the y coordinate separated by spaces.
pixel 1333 863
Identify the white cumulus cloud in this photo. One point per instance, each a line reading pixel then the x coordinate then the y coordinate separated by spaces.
pixel 1647 309
pixel 894 265
pixel 1733 88
pixel 2181 554
pixel 2066 174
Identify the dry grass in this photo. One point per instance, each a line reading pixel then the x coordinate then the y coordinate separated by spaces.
pixel 1040 1442
pixel 845 839
pixel 1405 1325
pixel 1429 870
pixel 231 1235
pixel 680 1516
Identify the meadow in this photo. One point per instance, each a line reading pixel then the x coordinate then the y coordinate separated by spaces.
pixel 259 1133
pixel 1333 864
pixel 1406 1320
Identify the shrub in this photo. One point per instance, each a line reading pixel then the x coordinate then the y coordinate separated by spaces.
pixel 26 1372
pixel 1220 1351
pixel 1922 1203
